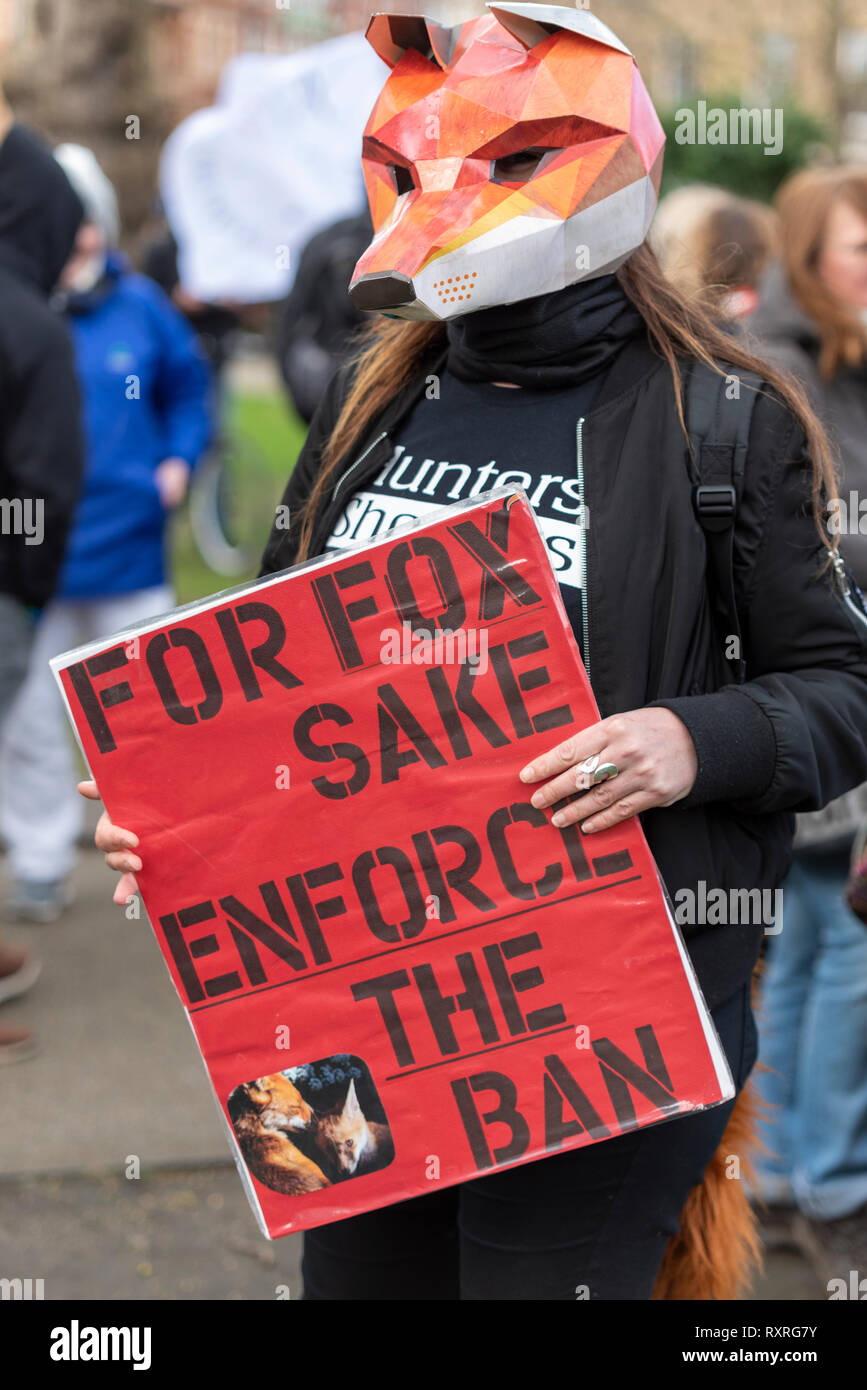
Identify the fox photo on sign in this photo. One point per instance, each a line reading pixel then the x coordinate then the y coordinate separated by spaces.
pixel 400 973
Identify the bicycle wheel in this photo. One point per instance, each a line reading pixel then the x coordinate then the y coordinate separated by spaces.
pixel 232 498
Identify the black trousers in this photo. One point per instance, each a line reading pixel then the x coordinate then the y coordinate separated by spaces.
pixel 592 1223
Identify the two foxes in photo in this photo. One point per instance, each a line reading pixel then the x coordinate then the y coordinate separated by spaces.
pixel 291 1149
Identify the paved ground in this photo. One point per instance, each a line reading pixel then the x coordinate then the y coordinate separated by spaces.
pixel 119 1073
pixel 179 1233
pixel 186 1233
pixel 119 1077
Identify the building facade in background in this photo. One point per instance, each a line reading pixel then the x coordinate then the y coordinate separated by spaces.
pixel 812 53
pixel 79 69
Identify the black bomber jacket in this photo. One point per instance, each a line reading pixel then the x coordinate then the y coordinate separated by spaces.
pixel 791 737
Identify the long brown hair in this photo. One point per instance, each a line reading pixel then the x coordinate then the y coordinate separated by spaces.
pixel 391 351
pixel 804 203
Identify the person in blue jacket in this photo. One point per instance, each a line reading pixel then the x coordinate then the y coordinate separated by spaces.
pixel 147 407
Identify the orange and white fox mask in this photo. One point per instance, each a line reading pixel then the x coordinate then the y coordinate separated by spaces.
pixel 505 158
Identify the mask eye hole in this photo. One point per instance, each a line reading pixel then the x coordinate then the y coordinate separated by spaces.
pixel 518 167
pixel 403 178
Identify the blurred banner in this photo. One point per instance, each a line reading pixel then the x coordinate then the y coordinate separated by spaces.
pixel 247 182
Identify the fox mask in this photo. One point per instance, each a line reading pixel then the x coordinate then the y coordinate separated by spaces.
pixel 505 158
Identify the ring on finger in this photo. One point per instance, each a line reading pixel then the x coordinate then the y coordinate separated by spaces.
pixel 604 772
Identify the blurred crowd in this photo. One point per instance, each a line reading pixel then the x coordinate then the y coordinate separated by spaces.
pixel 794 279
pixel 109 398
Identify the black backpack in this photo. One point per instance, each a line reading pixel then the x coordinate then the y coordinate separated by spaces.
pixel 719 413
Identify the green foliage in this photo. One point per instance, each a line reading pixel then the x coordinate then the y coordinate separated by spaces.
pixel 276 434
pixel 744 169
pixel 275 428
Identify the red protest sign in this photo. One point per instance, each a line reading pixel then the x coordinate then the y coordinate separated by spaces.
pixel 399 973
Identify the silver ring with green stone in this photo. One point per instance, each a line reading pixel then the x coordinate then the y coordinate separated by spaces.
pixel 604 772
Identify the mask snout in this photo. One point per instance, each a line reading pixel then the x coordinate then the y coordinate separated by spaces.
pixel 382 290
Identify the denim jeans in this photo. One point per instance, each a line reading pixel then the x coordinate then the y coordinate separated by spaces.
pixel 813 1035
pixel 588 1223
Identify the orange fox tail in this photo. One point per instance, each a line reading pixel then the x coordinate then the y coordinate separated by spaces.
pixel 717 1249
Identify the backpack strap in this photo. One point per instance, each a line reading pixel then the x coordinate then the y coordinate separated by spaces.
pixel 719 412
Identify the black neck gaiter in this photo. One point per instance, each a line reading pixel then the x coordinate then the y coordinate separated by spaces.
pixel 554 340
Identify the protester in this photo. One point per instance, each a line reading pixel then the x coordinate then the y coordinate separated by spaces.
pixel 712 243
pixel 215 324
pixel 146 389
pixel 317 320
pixel 813 320
pixel 40 447
pixel 578 383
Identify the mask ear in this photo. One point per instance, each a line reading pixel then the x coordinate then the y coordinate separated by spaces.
pixel 392 35
pixel 530 24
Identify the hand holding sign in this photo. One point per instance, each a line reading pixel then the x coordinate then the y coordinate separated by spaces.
pixel 115 843
pixel 651 749
pixel 655 761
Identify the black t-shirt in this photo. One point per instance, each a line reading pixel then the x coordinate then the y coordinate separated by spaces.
pixel 464 438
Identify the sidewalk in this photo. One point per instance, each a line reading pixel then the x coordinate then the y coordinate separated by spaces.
pixel 180 1233
pixel 119 1077
pixel 118 1073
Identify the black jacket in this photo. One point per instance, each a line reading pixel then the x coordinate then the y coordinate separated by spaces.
pixel 318 317
pixel 651 636
pixel 41 457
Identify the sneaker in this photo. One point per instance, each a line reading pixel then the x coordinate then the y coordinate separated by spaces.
pixel 33 900
pixel 834 1247
pixel 16 1045
pixel 20 979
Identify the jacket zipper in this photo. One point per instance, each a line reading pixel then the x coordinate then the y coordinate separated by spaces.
pixel 369 450
pixel 840 570
pixel 585 598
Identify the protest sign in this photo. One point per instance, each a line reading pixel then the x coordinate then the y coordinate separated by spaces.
pixel 400 974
